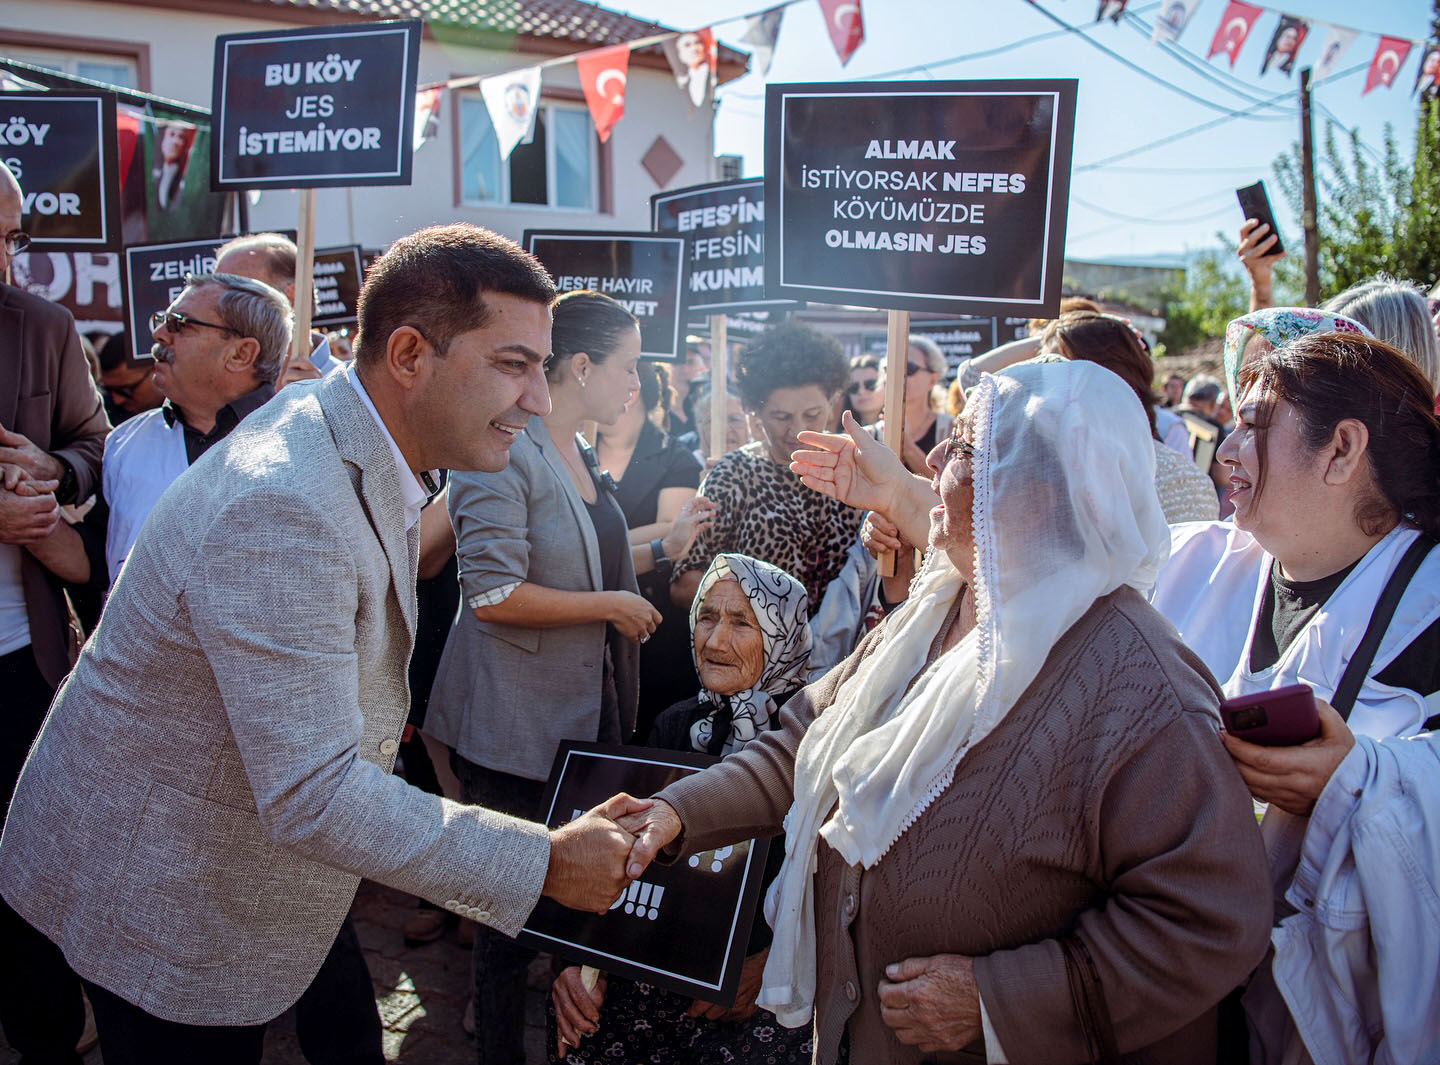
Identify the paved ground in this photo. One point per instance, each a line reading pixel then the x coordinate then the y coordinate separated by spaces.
pixel 420 991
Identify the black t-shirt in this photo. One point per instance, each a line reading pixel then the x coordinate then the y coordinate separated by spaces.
pixel 1287 608
pixel 614 538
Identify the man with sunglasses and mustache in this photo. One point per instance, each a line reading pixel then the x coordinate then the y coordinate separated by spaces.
pixel 218 349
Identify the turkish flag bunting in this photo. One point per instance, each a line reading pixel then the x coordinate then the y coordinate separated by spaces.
pixel 1235 26
pixel 602 77
pixel 846 26
pixel 1390 56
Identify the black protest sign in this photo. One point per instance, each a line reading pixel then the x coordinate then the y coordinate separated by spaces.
pixel 1008 329
pixel 724 227
pixel 315 107
pixel 949 197
pixel 155 276
pixel 337 285
pixel 62 148
pixel 640 270
pixel 684 927
pixel 959 338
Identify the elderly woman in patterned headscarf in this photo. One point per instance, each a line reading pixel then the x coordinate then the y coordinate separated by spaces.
pixel 751 643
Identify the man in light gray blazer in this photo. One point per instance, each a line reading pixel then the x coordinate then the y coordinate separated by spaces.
pixel 214 777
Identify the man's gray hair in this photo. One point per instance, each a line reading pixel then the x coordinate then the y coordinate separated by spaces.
pixel 1204 388
pixel 1396 312
pixel 276 250
pixel 253 309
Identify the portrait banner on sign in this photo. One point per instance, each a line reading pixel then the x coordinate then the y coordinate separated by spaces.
pixel 683 927
pixel 61 147
pixel 641 271
pixel 316 107
pixel 948 197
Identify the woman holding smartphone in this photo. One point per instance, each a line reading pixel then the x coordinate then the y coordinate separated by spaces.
pixel 1335 474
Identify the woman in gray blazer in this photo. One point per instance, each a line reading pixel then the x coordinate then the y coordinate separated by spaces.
pixel 546 645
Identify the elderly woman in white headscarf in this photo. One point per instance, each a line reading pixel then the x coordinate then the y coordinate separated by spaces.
pixel 1012 833
pixel 751 643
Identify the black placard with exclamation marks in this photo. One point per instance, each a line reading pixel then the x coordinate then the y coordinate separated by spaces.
pixel 683 927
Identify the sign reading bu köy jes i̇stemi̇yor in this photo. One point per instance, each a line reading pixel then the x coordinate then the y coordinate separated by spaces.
pixel 639 270
pixel 949 197
pixel 724 227
pixel 61 147
pixel 315 107
pixel 684 927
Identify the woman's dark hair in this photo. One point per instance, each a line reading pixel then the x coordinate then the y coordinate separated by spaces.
pixel 1328 377
pixel 790 355
pixel 1087 336
pixel 655 390
pixel 586 321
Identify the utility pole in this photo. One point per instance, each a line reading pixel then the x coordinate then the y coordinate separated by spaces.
pixel 1307 195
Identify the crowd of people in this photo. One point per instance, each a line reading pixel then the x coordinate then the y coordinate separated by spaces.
pixel 243 592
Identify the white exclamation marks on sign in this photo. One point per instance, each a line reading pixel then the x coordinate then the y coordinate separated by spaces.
pixel 720 856
pixel 655 902
pixel 631 896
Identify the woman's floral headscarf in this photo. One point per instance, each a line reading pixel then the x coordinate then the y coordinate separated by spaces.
pixel 1279 325
pixel 782 611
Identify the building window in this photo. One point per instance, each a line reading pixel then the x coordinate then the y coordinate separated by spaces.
pixel 558 168
pixel 118 70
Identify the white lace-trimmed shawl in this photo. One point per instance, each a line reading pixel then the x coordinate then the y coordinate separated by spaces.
pixel 782 611
pixel 1065 512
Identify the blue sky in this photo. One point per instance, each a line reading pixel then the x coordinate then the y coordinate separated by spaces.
pixel 1170 199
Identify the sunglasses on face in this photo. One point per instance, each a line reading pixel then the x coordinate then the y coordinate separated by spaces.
pixel 128 391
pixel 869 386
pixel 178 323
pixel 16 241
pixel 911 369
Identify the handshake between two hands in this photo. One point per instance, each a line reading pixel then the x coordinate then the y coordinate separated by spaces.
pixel 594 858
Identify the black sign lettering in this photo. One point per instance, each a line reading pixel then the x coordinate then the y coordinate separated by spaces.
pixel 959 338
pixel 337 286
pixel 640 270
pixel 61 147
pixel 315 107
pixel 685 926
pixel 946 197
pixel 724 229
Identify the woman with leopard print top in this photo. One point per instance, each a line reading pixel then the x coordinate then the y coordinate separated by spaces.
pixel 791 379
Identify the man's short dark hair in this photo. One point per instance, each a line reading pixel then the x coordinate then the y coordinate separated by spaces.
pixel 435 281
pixel 116 352
pixel 276 251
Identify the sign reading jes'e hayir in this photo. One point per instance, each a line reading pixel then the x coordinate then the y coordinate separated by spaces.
pixel 724 228
pixel 315 107
pixel 639 270
pixel 61 148
pixel 946 196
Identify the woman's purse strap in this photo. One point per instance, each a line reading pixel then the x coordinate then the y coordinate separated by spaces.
pixel 1358 667
pixel 1087 999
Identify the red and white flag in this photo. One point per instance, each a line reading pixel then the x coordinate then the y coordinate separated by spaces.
pixel 845 24
pixel 1390 56
pixel 427 115
pixel 1235 26
pixel 602 77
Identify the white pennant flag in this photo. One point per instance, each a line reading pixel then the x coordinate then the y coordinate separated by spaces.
pixel 1338 40
pixel 1173 18
pixel 511 99
pixel 761 32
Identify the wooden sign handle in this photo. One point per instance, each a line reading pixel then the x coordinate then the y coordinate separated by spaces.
pixel 897 350
pixel 304 277
pixel 719 385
